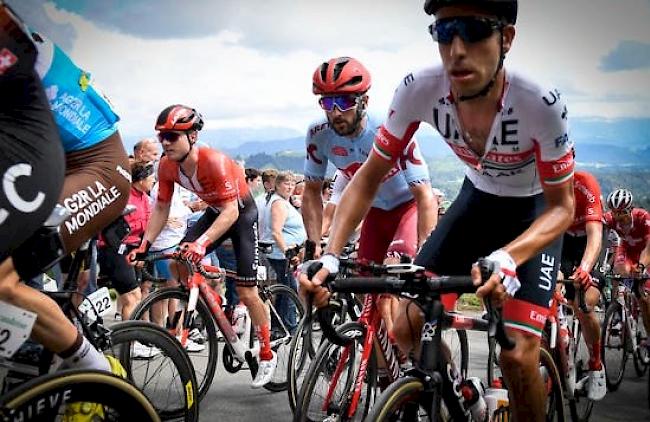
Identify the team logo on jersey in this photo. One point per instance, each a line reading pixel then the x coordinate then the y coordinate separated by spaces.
pixel 408 156
pixel 552 98
pixel 340 151
pixel 311 149
pixel 317 129
pixel 7 60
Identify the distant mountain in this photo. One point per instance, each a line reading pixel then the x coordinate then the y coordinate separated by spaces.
pixel 628 133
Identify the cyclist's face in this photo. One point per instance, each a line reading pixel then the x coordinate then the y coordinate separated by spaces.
pixel 343 121
pixel 175 144
pixel 622 217
pixel 471 65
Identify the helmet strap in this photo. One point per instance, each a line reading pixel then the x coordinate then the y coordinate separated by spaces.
pixel 184 157
pixel 486 89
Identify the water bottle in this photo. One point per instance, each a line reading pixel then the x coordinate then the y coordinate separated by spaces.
pixel 472 390
pixel 496 398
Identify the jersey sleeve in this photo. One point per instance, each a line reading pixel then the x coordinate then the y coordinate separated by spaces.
pixel 412 164
pixel 401 123
pixel 340 182
pixel 553 147
pixel 594 206
pixel 609 220
pixel 165 180
pixel 316 160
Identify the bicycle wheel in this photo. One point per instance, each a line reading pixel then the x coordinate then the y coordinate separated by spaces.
pixel 202 325
pixel 165 376
pixel 50 396
pixel 554 406
pixel 493 369
pixel 302 350
pixel 456 340
pixel 580 406
pixel 406 400
pixel 332 377
pixel 286 311
pixel 641 357
pixel 613 346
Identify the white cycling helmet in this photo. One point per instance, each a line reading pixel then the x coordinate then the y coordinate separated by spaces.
pixel 620 199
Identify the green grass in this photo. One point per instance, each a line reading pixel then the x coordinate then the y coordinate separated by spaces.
pixel 469 302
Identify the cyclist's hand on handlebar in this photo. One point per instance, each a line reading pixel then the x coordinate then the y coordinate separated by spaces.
pixel 132 257
pixel 582 277
pixel 503 283
pixel 313 286
pixel 195 251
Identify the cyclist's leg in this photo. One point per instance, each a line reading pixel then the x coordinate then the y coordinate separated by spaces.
pixel 524 316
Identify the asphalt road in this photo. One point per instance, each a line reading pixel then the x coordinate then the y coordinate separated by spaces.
pixel 231 398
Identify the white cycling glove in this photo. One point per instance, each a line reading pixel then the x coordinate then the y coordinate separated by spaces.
pixel 330 263
pixel 505 266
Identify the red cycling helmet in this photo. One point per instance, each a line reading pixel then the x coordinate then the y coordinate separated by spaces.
pixel 179 117
pixel 341 75
pixel 504 9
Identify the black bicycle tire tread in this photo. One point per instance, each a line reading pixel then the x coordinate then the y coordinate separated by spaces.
pixel 112 388
pixel 612 386
pixel 146 332
pixel 393 395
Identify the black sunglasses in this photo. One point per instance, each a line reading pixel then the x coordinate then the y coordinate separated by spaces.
pixel 470 29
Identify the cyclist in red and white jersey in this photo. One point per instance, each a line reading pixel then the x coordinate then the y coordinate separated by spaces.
pixel 633 227
pixel 517 197
pixel 580 251
pixel 231 214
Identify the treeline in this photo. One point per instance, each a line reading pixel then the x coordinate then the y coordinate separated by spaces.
pixel 447 174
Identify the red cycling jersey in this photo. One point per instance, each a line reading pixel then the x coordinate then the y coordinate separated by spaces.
pixel 634 235
pixel 588 202
pixel 217 180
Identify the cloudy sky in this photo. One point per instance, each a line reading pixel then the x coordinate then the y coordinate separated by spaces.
pixel 248 63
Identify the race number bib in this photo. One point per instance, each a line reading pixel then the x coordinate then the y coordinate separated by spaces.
pixel 101 300
pixel 15 326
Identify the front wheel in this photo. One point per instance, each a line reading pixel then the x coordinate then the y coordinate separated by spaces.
pixel 554 404
pixel 406 400
pixel 580 405
pixel 332 376
pixel 613 346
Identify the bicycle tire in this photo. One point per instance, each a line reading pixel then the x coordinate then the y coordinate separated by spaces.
pixel 300 356
pixel 553 385
pixel 405 400
pixel 204 362
pixel 173 365
pixel 326 359
pixel 282 348
pixel 493 369
pixel 611 341
pixel 580 407
pixel 640 356
pixel 121 399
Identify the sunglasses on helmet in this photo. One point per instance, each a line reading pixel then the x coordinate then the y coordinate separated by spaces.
pixel 342 102
pixel 470 29
pixel 169 136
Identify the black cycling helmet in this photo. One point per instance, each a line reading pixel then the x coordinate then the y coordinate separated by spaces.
pixel 504 9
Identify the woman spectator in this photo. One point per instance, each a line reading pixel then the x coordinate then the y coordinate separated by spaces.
pixel 285 230
pixel 112 260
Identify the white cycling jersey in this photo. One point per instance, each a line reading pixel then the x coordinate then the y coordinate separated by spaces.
pixel 528 141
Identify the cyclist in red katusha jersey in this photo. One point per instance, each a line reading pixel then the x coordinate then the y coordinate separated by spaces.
pixel 633 227
pixel 231 214
pixel 580 251
pixel 517 197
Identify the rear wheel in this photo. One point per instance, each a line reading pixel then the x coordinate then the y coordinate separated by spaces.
pixel 640 355
pixel 613 344
pixel 554 406
pixel 580 406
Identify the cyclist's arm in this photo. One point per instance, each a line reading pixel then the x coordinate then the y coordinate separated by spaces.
pixel 427 209
pixel 554 220
pixel 356 201
pixel 645 255
pixel 312 209
pixel 328 215
pixel 228 214
pixel 594 231
pixel 278 218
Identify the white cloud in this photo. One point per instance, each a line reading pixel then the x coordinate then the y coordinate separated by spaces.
pixel 257 71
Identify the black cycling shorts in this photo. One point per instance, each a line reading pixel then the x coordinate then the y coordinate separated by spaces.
pixel 478 223
pixel 32 162
pixel 114 266
pixel 243 234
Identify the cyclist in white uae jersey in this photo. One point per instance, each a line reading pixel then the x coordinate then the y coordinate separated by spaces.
pixel 517 198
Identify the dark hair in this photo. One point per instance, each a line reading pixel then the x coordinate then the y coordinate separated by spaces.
pixel 140 170
pixel 251 174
